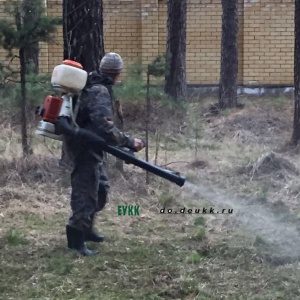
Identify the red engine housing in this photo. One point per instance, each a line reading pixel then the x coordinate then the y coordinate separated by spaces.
pixel 51 109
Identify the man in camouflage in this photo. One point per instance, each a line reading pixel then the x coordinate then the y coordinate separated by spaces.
pixel 89 181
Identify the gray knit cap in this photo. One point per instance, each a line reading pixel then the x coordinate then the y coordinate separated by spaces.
pixel 111 63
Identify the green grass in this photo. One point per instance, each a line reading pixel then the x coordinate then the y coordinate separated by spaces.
pixel 169 266
pixel 15 238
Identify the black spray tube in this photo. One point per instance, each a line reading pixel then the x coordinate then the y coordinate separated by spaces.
pixel 96 143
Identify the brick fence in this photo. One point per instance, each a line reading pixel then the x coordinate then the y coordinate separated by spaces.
pixel 137 30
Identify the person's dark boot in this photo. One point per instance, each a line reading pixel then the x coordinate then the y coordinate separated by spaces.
pixel 91 235
pixel 75 239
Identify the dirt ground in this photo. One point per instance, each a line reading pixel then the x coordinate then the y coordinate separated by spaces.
pixel 239 159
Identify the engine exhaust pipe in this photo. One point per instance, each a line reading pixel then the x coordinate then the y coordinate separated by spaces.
pixel 97 143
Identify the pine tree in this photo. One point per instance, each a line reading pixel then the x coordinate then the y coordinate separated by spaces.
pixel 83 32
pixel 83 38
pixel 229 55
pixel 176 50
pixel 31 13
pixel 21 34
pixel 296 131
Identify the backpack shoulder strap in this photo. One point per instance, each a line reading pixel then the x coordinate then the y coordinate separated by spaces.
pixel 75 109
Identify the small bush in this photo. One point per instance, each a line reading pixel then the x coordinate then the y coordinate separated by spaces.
pixel 165 199
pixel 194 258
pixel 15 238
pixel 199 234
pixel 199 221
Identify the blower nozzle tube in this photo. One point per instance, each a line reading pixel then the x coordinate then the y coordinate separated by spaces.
pixel 96 143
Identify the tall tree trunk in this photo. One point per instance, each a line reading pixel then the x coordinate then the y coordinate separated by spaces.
pixel 25 146
pixel 31 12
pixel 83 32
pixel 229 55
pixel 176 50
pixel 23 70
pixel 83 38
pixel 296 130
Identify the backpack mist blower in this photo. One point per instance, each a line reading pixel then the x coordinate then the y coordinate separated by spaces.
pixel 57 119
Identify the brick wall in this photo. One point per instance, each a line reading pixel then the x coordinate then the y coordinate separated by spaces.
pixel 55 48
pixel 3 53
pixel 137 30
pixel 204 41
pixel 268 42
pixel 122 29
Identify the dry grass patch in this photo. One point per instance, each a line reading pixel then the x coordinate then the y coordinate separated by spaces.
pixel 156 256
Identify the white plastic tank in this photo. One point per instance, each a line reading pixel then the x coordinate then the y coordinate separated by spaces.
pixel 70 76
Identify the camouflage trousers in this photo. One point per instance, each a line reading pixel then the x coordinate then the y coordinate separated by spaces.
pixel 90 188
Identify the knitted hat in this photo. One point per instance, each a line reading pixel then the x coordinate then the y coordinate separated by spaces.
pixel 111 63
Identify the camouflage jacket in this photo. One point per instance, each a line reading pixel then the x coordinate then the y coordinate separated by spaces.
pixel 95 113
